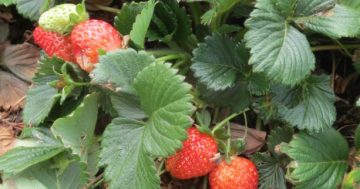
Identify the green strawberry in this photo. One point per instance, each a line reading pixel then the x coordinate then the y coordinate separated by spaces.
pixel 62 18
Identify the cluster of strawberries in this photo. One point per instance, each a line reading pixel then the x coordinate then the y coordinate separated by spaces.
pixel 65 31
pixel 198 157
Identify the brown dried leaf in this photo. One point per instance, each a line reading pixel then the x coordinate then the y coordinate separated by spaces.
pixel 21 60
pixel 7 139
pixel 6 16
pixel 254 140
pixel 12 91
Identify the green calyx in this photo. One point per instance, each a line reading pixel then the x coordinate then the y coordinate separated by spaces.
pixel 62 18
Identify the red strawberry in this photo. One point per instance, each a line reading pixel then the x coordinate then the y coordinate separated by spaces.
pixel 241 173
pixel 195 158
pixel 54 44
pixel 89 37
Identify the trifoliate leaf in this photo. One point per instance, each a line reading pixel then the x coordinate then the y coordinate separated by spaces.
pixel 277 48
pixel 331 22
pixel 128 164
pixel 126 16
pixel 7 2
pixel 314 108
pixel 319 161
pixel 39 102
pixel 271 173
pixel 32 9
pixel 120 68
pixel 219 62
pixel 76 131
pixel 165 98
pixel 141 25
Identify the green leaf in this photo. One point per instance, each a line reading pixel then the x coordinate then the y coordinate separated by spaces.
pixel 120 68
pixel 357 138
pixel 32 9
pixel 129 166
pixel 331 22
pixel 279 135
pixel 76 131
pixel 127 106
pixel 352 180
pixel 236 97
pixel 314 108
pixel 219 62
pixel 277 48
pixel 29 152
pixel 46 70
pixel 126 16
pixel 219 7
pixel 21 158
pixel 141 25
pixel 258 84
pixel 7 2
pixel 39 102
pixel 350 3
pixel 319 161
pixel 271 173
pixel 312 7
pixel 165 98
pixel 43 174
pixel 170 22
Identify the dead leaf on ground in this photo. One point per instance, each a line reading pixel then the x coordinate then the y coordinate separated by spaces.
pixel 7 139
pixel 12 91
pixel 21 60
pixel 255 139
pixel 6 16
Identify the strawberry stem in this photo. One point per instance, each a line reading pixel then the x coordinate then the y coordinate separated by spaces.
pixel 228 145
pixel 106 9
pixel 223 122
pixel 246 126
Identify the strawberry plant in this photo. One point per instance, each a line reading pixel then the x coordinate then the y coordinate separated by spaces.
pixel 180 94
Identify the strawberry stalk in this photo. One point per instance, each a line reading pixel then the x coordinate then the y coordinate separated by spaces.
pixel 224 121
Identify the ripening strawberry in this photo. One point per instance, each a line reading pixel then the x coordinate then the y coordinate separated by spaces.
pixel 91 36
pixel 241 173
pixel 196 156
pixel 57 19
pixel 54 44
